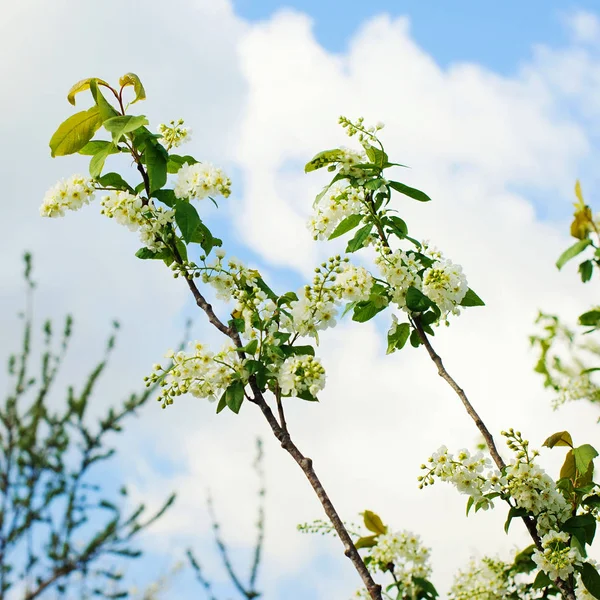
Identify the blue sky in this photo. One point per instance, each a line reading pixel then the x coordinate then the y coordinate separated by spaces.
pixel 497 35
pixel 497 150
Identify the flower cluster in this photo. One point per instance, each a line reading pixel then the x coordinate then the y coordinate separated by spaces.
pixel 318 304
pixel 481 580
pixel 401 271
pixel 471 474
pixel 138 215
pixel 526 484
pixel 365 134
pixel 201 180
pixel 445 284
pixel 403 550
pixel 438 278
pixel 531 488
pixel 300 374
pixel 199 372
pixel 337 203
pixel 558 559
pixel 67 194
pixel 491 579
pixel 174 134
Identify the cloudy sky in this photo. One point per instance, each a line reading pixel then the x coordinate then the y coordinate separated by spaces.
pixel 496 112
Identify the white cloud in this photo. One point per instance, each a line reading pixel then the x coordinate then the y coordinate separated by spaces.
pixel 584 26
pixel 266 97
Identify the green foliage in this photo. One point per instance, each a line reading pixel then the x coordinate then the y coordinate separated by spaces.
pixel 74 133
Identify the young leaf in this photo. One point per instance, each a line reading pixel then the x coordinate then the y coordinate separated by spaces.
pixel 324 158
pixel 114 180
pixel 187 220
pixel 358 241
pixel 568 470
pixel 471 299
pixel 74 133
pixel 366 542
pixel 93 147
pixel 105 109
pixel 561 438
pixel 398 339
pixel 98 160
pixel 138 88
pixel 346 225
pixel 408 191
pixel 123 124
pixel 83 85
pixel 155 157
pixel 584 455
pixel 374 523
pixel 572 252
pixel 234 396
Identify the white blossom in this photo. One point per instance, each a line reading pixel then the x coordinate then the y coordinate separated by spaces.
pixel 201 180
pixel 301 373
pixel 558 559
pixel 445 284
pixel 137 215
pixel 67 194
pixel 337 203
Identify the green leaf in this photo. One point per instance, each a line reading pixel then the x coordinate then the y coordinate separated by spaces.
pixel 358 241
pixel 187 219
pixel 95 146
pixel 306 395
pixel 569 470
pixel 374 523
pixel 470 503
pixel 175 162
pixel 114 180
pixel 584 455
pixel 397 226
pixel 324 158
pixel 590 318
pixel 81 86
pixel 415 340
pixel 561 438
pixel 523 562
pixel 376 156
pixel 374 184
pixel 222 403
pixel 512 513
pixel 121 125
pixel 409 191
pixel 147 254
pixel 366 542
pixel 581 526
pixel 541 581
pixel 471 299
pixel 346 225
pixel 155 157
pixel 74 133
pixel 416 301
pixel 586 269
pixel 590 579
pixel 105 109
pixel 234 396
pixel 133 80
pixel 572 252
pixel 98 160
pixel 166 197
pixel 366 310
pixel 398 339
